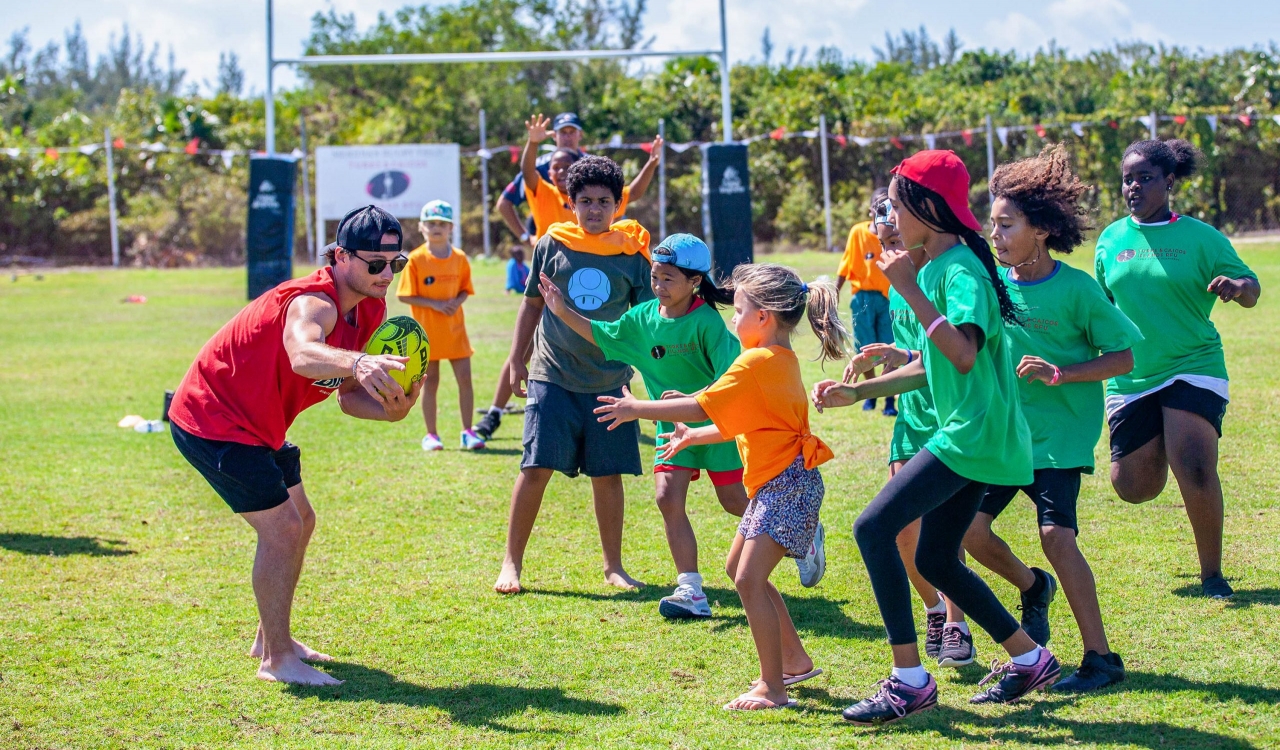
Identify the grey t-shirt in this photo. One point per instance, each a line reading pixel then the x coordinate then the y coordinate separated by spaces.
pixel 600 287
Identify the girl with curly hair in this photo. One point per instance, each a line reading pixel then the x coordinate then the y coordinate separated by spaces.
pixel 1069 339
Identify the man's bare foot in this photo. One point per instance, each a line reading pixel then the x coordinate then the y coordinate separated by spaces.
pixel 291 670
pixel 620 579
pixel 300 649
pixel 508 580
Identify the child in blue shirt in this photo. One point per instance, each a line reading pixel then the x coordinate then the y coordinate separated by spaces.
pixel 517 271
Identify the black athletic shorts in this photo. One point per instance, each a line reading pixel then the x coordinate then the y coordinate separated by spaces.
pixel 1054 491
pixel 561 432
pixel 1138 422
pixel 248 477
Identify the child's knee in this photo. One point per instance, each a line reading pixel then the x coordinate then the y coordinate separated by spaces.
pixel 1056 540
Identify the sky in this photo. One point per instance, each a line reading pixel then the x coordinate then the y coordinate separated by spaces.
pixel 198 30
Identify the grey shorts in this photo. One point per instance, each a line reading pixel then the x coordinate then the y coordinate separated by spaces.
pixel 561 433
pixel 786 508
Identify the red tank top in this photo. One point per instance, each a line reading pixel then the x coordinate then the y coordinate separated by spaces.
pixel 242 389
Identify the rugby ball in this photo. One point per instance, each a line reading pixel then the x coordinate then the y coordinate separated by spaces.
pixel 402 336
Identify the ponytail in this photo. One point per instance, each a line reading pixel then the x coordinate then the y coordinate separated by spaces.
pixel 824 318
pixel 781 291
pixel 711 294
pixel 929 207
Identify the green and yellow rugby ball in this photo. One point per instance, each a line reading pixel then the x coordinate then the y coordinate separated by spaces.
pixel 402 336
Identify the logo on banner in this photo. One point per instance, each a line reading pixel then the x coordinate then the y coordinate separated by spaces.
pixel 266 198
pixel 731 182
pixel 387 185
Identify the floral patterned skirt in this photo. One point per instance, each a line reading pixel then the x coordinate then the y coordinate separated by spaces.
pixel 786 508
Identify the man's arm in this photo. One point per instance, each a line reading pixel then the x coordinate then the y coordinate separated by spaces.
pixel 507 210
pixel 527 320
pixel 309 320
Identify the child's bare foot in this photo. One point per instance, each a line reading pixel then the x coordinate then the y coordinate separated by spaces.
pixel 300 649
pixel 291 670
pixel 509 579
pixel 758 698
pixel 620 579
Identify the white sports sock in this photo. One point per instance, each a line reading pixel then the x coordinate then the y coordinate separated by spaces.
pixel 494 408
pixel 1028 659
pixel 916 677
pixel 690 579
pixel 941 606
pixel 963 626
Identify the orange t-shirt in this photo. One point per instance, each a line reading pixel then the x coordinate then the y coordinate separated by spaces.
pixel 439 278
pixel 761 401
pixel 859 262
pixel 550 206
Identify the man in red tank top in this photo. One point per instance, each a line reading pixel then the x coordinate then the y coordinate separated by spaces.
pixel 285 351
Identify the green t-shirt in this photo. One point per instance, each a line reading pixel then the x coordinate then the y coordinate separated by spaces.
pixel 683 354
pixel 916 420
pixel 981 435
pixel 1066 320
pixel 1158 276
pixel 600 287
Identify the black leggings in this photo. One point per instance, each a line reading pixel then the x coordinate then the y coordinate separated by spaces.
pixel 946 503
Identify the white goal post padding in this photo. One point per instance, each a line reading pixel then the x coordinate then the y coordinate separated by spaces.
pixel 400 179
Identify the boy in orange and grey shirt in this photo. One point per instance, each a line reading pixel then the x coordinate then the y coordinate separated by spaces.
pixel 434 286
pixel 870 303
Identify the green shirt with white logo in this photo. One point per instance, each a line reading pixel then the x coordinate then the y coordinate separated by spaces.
pixel 916 421
pixel 1159 276
pixel 684 354
pixel 1065 320
pixel 982 435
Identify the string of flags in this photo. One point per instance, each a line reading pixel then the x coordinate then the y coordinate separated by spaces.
pixel 899 141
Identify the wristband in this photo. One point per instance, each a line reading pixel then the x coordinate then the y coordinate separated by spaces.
pixel 524 237
pixel 934 325
pixel 1057 375
pixel 353 364
pixel 910 354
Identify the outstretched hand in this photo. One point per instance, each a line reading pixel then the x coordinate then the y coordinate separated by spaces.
pixel 539 128
pixel 655 148
pixel 617 410
pixel 551 294
pixel 677 440
pixel 831 393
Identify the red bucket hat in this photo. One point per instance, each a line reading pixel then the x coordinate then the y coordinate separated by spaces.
pixel 943 173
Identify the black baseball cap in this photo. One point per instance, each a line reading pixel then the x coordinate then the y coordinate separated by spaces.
pixel 567 120
pixel 362 229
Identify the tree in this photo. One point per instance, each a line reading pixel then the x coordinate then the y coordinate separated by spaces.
pixel 230 75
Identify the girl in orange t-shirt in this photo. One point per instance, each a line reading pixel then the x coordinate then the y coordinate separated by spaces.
pixel 434 286
pixel 761 402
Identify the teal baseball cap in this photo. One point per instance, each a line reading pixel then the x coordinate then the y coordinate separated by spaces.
pixel 684 251
pixel 437 211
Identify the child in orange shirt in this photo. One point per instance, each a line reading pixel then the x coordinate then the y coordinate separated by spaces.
pixel 761 402
pixel 434 286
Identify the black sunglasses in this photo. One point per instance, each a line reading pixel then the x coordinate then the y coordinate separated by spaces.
pixel 375 266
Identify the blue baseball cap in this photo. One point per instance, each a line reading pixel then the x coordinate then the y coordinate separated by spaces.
pixel 684 251
pixel 567 120
pixel 436 211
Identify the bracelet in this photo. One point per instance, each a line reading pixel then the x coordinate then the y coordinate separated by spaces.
pixel 353 364
pixel 910 355
pixel 934 325
pixel 1057 375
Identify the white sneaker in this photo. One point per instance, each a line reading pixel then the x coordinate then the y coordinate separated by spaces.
pixel 686 602
pixel 814 565
pixel 432 443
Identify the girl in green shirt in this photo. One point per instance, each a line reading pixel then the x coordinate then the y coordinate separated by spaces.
pixel 982 439
pixel 1068 340
pixel 1166 272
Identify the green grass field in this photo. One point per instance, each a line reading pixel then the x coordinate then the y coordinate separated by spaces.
pixel 126 610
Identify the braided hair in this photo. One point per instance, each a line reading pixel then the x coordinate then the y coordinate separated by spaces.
pixel 929 207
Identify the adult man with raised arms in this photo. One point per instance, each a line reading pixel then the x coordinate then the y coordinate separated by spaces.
pixel 284 352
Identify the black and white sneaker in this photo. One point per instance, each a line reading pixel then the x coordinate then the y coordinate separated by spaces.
pixel 957 647
pixel 1216 587
pixel 1095 672
pixel 1035 609
pixel 488 424
pixel 933 622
